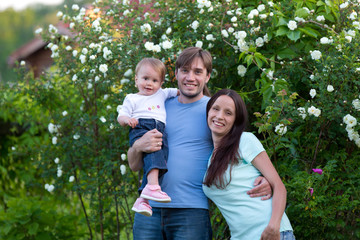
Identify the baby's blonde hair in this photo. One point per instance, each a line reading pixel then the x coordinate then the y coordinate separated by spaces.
pixel 156 64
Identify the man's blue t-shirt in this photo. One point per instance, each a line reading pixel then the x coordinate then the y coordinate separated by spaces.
pixel 190 146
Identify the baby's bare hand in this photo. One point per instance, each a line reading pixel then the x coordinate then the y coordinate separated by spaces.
pixel 133 122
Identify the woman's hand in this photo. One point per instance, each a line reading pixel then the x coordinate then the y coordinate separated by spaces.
pixel 270 233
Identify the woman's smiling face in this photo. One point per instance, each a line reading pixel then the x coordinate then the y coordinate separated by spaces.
pixel 221 116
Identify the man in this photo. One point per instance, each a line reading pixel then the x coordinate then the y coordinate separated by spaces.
pixel 190 146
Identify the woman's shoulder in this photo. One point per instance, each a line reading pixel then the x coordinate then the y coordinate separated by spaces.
pixel 248 140
pixel 248 135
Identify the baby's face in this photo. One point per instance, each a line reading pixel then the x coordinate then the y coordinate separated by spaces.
pixel 148 81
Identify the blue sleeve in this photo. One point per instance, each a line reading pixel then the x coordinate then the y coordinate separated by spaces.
pixel 249 147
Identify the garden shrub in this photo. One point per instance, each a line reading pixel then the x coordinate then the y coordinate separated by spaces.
pixel 296 64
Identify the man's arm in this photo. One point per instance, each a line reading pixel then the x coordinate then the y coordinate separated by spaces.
pixel 149 142
pixel 262 189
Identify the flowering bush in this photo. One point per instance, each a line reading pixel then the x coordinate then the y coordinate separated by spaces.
pixel 295 63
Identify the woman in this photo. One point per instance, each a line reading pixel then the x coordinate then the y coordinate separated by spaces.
pixel 238 158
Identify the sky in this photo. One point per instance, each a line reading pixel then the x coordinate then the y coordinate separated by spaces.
pixel 22 4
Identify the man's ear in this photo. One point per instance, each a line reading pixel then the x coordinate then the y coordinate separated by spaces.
pixel 208 78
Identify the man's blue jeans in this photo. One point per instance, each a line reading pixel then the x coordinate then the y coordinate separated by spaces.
pixel 173 224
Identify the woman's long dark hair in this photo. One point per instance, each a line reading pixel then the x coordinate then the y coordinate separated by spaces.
pixel 228 150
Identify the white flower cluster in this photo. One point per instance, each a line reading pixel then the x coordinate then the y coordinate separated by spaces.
pixel 312 93
pixel 82 58
pixel 356 104
pixel 330 88
pixel 75 7
pixel 292 25
pixel 167 44
pixel 146 28
pixel 103 119
pixel 128 73
pixel 150 46
pixel 344 5
pixel 52 29
pixel 353 135
pixel 49 187
pixel 122 169
pixel 54 129
pixel 71 178
pixel 195 25
pixel 241 43
pixel 76 136
pixel 203 3
pixel 325 40
pixel 54 49
pixel 241 70
pixel 59 171
pixel 314 111
pixel 38 31
pixel 315 55
pixel 199 44
pixel 320 18
pixel 353 16
pixel 281 129
pixel 302 112
pixel 59 14
pixel 107 53
pixel 122 166
pixel 103 68
pixel 168 31
pixel 96 25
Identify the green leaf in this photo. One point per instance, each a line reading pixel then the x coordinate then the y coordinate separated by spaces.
pixel 309 31
pixel 302 13
pixel 258 62
pixel 252 49
pixel 6 229
pixel 259 58
pixel 44 236
pixel 242 55
pixel 248 59
pixel 282 21
pixel 287 53
pixel 294 35
pixel 329 17
pixel 282 31
pixel 272 63
pixel 33 228
pixel 320 3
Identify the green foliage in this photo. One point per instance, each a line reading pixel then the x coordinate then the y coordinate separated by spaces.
pixel 32 218
pixel 77 147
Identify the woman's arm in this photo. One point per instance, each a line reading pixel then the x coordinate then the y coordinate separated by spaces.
pixel 263 164
pixel 149 142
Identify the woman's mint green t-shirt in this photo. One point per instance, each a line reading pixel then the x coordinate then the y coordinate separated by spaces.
pixel 247 217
